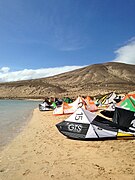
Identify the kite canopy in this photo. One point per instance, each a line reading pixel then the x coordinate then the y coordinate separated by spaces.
pixel 90 105
pixel 107 113
pixel 86 125
pixel 107 99
pixel 128 102
pixel 70 108
pixel 45 107
pixel 67 100
pixel 124 118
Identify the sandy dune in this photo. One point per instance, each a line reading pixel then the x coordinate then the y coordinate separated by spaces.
pixel 40 152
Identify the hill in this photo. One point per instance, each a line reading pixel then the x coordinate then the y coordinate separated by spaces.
pixel 91 80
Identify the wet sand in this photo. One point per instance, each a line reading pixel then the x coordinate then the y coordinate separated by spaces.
pixel 40 152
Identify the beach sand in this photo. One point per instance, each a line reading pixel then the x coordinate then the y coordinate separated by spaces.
pixel 40 152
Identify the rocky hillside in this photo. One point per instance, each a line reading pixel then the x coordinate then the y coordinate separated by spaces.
pixel 91 80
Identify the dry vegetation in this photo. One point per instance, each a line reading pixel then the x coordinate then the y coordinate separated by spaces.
pixel 91 80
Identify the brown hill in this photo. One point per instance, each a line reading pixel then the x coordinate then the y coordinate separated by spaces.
pixel 91 80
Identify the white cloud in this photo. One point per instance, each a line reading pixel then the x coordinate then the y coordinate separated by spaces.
pixel 126 54
pixel 7 76
pixel 4 69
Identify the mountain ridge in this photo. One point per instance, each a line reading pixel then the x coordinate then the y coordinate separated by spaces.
pixel 90 80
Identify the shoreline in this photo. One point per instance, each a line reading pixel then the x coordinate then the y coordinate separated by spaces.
pixel 23 99
pixel 18 132
pixel 41 152
pixel 14 121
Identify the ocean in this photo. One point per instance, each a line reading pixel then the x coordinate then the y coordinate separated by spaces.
pixel 14 115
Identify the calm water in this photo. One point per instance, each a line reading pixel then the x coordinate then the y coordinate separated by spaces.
pixel 14 114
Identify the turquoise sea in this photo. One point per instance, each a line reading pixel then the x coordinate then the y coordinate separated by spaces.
pixel 14 115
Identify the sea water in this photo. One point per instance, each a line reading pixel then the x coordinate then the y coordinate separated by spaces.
pixel 14 114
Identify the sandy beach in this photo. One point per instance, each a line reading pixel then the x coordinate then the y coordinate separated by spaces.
pixel 40 152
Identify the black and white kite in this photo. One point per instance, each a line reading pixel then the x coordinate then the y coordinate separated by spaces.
pixel 86 125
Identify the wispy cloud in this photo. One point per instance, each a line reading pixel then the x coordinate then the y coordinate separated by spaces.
pixel 6 75
pixel 126 53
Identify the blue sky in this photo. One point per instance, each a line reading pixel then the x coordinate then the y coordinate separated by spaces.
pixel 39 38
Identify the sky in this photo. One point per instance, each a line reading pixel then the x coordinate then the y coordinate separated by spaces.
pixel 41 38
